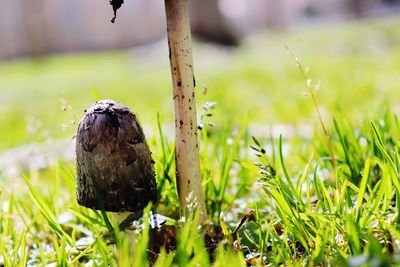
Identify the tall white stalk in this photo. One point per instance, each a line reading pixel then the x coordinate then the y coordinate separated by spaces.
pixel 187 151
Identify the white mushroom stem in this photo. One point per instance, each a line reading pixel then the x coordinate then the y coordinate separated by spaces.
pixel 187 151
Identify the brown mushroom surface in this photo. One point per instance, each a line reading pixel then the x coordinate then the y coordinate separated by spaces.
pixel 113 161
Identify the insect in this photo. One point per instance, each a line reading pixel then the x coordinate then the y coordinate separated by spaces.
pixel 116 4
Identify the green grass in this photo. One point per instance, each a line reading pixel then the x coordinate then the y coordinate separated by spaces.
pixel 310 215
pixel 292 206
pixel 357 64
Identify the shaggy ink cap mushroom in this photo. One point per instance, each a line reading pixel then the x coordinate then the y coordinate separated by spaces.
pixel 114 167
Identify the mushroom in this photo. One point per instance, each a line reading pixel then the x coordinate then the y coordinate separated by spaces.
pixel 114 167
pixel 188 174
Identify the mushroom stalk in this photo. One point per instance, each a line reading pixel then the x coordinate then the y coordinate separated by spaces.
pixel 186 151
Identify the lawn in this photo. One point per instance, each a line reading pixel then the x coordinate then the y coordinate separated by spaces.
pixel 357 65
pixel 296 207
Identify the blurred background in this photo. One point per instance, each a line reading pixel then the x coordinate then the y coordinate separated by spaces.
pixel 58 57
pixel 38 28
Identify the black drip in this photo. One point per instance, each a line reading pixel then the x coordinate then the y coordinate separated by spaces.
pixel 115 4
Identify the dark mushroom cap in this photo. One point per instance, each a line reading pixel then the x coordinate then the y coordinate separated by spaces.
pixel 114 167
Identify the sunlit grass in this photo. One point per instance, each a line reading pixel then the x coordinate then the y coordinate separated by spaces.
pixel 271 201
pixel 302 215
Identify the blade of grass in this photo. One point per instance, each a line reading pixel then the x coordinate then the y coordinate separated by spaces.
pixel 286 174
pixel 23 258
pixel 363 188
pixel 46 212
pixel 381 145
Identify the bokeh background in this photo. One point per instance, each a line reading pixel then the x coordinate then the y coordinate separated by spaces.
pixel 58 57
pixel 38 28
